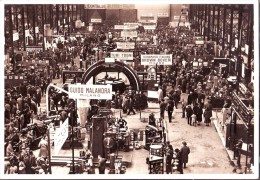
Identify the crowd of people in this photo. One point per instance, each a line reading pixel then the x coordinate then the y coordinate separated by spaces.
pixel 22 102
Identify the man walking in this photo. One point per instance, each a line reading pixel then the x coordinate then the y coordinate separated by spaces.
pixel 185 151
pixel 170 110
pixel 162 108
pixel 188 114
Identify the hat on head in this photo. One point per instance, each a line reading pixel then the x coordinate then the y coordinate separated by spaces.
pixel 184 143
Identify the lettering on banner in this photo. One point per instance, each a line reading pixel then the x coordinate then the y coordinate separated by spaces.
pixel 156 59
pixel 122 55
pixel 80 91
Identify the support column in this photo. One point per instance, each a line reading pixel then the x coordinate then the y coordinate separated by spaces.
pixel 224 28
pixel 63 18
pixel 231 30
pixel 68 18
pixel 239 63
pixel 11 32
pixel 33 23
pixel 205 20
pixel 218 24
pixel 213 33
pixel 43 20
pixel 24 41
pixel 51 16
pixel 57 17
pixel 209 18
pixel 250 44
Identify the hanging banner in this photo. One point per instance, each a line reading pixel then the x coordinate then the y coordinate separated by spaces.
pixel 60 136
pixel 129 34
pixel 125 45
pixel 122 55
pixel 120 6
pixel 94 6
pixel 153 59
pixel 83 91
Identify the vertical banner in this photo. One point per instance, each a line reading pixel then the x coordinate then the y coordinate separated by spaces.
pixel 60 136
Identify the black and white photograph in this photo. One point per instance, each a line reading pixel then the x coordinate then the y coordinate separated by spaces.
pixel 129 89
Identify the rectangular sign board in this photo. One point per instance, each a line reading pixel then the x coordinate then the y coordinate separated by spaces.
pixel 122 55
pixel 125 45
pixel 128 33
pixel 60 136
pixel 96 20
pixel 153 59
pixel 83 91
pixel 110 60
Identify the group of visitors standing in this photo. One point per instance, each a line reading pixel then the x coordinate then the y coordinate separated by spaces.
pixel 176 159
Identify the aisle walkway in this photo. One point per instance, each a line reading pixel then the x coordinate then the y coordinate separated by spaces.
pixel 208 155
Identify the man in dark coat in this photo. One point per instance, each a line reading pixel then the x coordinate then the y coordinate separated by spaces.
pixel 162 108
pixel 185 151
pixel 170 110
pixel 189 112
pixel 101 164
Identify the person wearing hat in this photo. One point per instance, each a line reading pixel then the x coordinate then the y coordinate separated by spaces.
pixel 189 112
pixel 177 152
pixel 185 151
pixel 169 155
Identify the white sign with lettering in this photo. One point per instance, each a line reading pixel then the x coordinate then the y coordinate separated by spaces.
pixel 60 136
pixel 151 27
pixel 125 45
pixel 162 14
pixel 96 20
pixel 83 91
pixel 122 55
pixel 109 60
pixel 128 33
pixel 153 59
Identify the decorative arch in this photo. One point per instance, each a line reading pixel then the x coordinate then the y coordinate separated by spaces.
pixel 117 66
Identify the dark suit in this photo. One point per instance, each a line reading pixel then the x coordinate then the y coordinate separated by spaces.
pixel 102 165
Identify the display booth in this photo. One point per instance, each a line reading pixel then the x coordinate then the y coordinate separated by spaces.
pixel 156 164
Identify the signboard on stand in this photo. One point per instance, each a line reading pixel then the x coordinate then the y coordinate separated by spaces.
pixel 83 91
pixel 60 136
pixel 153 59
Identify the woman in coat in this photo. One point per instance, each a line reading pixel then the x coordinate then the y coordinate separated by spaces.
pixel 43 144
pixel 199 114
pixel 207 116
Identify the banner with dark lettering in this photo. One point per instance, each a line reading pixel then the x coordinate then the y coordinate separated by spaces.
pixel 153 59
pixel 83 91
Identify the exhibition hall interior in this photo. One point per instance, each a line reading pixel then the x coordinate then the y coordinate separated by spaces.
pixel 129 89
